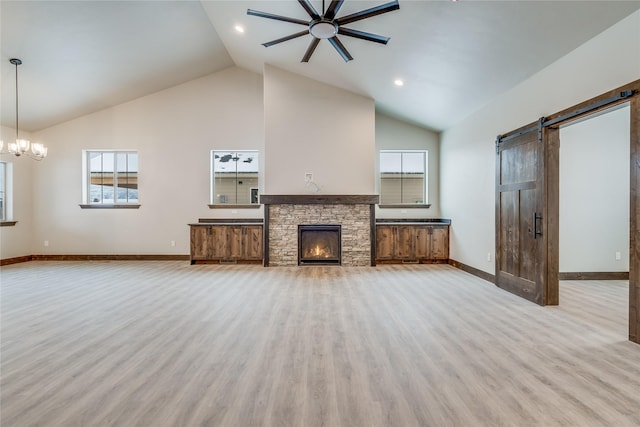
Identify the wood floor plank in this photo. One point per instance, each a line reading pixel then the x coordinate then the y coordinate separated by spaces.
pixel 121 343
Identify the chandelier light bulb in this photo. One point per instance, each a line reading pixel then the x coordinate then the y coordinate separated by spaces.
pixel 39 150
pixel 13 148
pixel 23 145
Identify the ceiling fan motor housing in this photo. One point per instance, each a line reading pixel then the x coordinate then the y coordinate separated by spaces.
pixel 323 29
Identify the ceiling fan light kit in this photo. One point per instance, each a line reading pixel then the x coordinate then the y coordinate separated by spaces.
pixel 327 26
pixel 323 29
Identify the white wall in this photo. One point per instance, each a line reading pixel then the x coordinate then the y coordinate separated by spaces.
pixel 467 150
pixel 594 193
pixel 173 131
pixel 311 127
pixel 396 134
pixel 15 241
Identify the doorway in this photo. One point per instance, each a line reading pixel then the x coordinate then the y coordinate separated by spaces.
pixel 594 218
pixel 594 195
pixel 544 221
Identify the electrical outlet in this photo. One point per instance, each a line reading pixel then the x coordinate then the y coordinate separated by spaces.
pixel 617 256
pixel 234 211
pixel 172 243
pixel 308 177
pixel 488 256
pixel 46 243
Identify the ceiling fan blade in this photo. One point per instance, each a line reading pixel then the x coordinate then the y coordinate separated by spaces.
pixel 362 35
pixel 276 17
pixel 368 13
pixel 284 39
pixel 309 8
pixel 310 50
pixel 333 8
pixel 341 49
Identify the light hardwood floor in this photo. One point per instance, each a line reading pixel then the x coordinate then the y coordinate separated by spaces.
pixel 169 344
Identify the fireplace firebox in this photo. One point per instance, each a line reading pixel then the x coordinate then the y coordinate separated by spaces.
pixel 319 245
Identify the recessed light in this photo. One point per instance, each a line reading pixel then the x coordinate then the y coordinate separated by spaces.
pixel 239 28
pixel 398 82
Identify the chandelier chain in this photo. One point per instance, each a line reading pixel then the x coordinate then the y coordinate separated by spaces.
pixel 16 63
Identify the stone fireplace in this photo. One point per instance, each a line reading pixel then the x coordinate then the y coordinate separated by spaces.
pixel 319 244
pixel 355 214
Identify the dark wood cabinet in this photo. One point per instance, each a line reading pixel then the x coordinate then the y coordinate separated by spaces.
pixel 404 242
pixel 440 242
pixel 200 242
pixel 423 243
pixel 226 242
pixel 253 242
pixel 412 243
pixel 384 242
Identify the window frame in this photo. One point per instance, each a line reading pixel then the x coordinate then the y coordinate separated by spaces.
pixel 401 205
pixel 3 191
pixel 212 190
pixel 86 180
pixel 6 187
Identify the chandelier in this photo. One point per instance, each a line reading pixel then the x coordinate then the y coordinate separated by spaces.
pixel 21 147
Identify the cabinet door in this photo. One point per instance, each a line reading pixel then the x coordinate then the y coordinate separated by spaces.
pixel 218 242
pixel 384 242
pixel 233 242
pixel 423 242
pixel 440 242
pixel 404 242
pixel 200 242
pixel 252 241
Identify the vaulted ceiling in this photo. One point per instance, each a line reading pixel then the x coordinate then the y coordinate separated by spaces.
pixel 454 57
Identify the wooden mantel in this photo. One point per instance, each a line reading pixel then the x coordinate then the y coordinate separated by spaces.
pixel 319 199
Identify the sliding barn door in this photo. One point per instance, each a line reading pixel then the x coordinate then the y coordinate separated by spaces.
pixel 524 193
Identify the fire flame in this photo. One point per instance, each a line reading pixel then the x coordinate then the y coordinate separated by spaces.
pixel 319 251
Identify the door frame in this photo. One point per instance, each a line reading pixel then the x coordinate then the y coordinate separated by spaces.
pixel 550 222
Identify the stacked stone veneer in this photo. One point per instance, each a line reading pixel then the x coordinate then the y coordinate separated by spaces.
pixel 283 230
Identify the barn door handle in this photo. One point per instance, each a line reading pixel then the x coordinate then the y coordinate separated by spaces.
pixel 536 233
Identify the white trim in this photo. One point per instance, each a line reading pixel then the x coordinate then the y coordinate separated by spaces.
pixel 8 191
pixel 426 171
pixel 212 198
pixel 86 178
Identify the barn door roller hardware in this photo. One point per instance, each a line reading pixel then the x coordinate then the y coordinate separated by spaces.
pixel 537 127
pixel 543 122
pixel 540 127
pixel 591 107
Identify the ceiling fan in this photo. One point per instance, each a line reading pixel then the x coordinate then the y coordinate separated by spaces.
pixel 328 26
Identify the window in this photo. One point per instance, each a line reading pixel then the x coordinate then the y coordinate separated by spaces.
pixel 111 178
pixel 403 177
pixel 3 192
pixel 234 178
pixel 6 190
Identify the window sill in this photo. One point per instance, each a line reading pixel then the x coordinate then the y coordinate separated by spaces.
pixel 8 223
pixel 229 206
pixel 116 206
pixel 406 206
